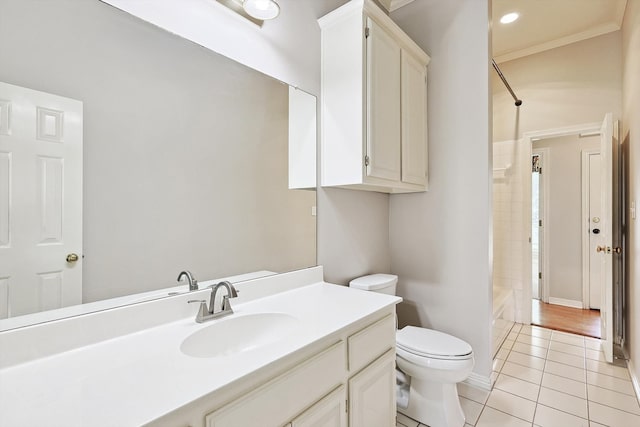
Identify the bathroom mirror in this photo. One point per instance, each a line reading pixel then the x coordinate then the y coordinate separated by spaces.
pixel 185 155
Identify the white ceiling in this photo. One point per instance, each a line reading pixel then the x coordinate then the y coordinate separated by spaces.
pixel 543 24
pixel 547 24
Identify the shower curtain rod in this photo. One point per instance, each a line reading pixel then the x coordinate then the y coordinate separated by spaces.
pixel 506 83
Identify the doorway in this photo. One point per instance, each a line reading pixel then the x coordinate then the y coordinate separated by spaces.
pixel 560 236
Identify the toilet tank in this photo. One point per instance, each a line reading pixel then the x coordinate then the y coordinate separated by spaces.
pixel 381 283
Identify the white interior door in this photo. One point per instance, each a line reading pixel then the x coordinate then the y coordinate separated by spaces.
pixel 595 236
pixel 605 249
pixel 40 201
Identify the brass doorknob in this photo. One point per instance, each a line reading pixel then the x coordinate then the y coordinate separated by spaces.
pixel 601 249
pixel 616 250
pixel 72 257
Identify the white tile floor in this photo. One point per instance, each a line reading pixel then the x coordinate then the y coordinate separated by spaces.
pixel 550 379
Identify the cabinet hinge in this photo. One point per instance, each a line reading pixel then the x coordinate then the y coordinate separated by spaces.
pixel 366 160
pixel 366 32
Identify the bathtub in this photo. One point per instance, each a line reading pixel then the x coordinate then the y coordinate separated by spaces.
pixel 503 315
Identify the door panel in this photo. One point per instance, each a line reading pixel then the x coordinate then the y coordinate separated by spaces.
pixel 40 201
pixel 595 238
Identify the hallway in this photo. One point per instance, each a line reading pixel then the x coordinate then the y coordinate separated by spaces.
pixel 566 319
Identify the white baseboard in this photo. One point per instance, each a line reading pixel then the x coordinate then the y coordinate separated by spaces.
pixel 479 381
pixel 565 302
pixel 634 378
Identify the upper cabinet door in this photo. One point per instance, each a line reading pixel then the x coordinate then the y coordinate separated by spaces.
pixel 414 120
pixel 383 102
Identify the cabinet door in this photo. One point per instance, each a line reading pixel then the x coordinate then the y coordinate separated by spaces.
pixel 414 120
pixel 372 394
pixel 383 104
pixel 279 400
pixel 331 411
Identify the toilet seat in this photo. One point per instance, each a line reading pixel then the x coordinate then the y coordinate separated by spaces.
pixel 433 344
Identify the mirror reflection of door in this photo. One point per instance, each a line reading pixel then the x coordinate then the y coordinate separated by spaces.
pixel 40 201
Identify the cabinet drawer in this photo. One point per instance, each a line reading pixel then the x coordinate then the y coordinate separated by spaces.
pixel 278 401
pixel 368 344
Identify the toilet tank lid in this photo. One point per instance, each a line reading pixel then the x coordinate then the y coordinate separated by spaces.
pixel 374 281
pixel 428 342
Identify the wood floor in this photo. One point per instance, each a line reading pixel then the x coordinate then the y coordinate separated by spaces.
pixel 567 319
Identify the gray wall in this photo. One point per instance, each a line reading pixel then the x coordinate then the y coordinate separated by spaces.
pixel 353 234
pixel 441 240
pixel 185 151
pixel 570 85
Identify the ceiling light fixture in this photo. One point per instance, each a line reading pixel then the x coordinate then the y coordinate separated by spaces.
pixel 509 18
pixel 261 9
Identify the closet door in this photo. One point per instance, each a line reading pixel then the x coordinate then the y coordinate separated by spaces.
pixel 383 104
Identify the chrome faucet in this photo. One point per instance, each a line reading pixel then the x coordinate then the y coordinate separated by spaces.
pixel 193 283
pixel 210 313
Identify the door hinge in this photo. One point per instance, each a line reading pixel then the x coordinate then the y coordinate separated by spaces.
pixel 366 32
pixel 539 223
pixel 540 170
pixel 366 160
pixel 539 275
pixel 346 405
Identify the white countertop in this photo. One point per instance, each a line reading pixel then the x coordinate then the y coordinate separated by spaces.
pixel 134 379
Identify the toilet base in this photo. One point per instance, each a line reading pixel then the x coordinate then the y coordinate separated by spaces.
pixel 434 404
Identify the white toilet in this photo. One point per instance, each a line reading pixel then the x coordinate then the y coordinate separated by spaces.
pixel 434 360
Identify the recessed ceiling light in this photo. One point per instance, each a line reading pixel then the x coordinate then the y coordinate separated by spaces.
pixel 509 18
pixel 261 9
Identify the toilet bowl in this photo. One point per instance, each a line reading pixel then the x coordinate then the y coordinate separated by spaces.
pixel 434 361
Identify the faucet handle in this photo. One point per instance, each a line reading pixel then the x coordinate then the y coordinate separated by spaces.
pixel 203 311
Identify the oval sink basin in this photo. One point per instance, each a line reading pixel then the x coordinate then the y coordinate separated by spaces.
pixel 238 333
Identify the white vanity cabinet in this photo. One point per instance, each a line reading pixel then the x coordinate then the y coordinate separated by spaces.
pixel 349 383
pixel 374 102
